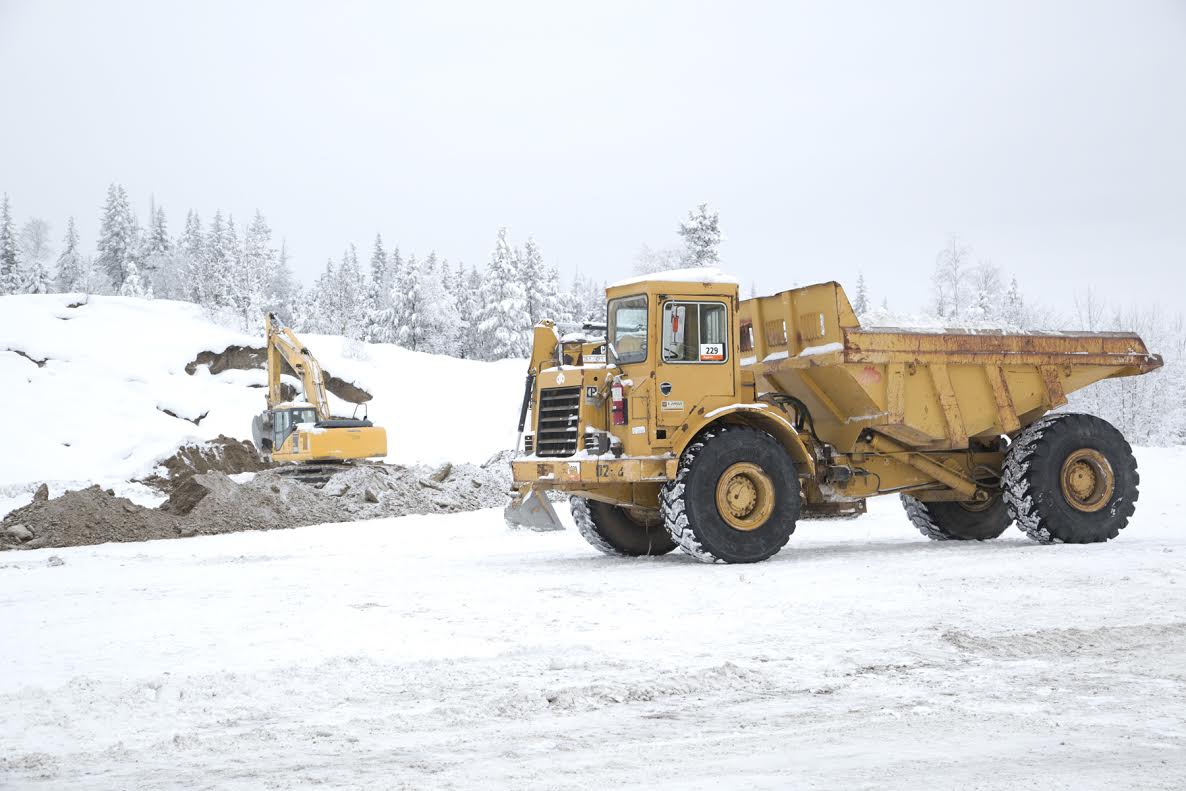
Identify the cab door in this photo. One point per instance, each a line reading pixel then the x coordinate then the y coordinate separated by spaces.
pixel 695 356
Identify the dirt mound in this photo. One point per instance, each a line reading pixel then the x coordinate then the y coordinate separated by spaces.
pixel 85 516
pixel 207 501
pixel 221 454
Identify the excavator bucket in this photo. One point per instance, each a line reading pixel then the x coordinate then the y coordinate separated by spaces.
pixel 531 510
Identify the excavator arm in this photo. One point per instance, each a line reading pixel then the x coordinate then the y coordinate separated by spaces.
pixel 283 344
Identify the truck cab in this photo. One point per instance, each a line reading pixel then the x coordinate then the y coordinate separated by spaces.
pixel 611 426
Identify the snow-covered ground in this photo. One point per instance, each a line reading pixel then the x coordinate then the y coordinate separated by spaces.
pixel 86 404
pixel 430 652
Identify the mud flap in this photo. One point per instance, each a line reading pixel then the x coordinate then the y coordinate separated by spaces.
pixel 533 511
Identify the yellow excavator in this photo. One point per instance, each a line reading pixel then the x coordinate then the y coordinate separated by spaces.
pixel 305 431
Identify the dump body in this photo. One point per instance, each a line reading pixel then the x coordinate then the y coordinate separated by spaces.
pixel 927 390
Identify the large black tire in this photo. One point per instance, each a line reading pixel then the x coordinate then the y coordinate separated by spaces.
pixel 956 521
pixel 689 504
pixel 1054 487
pixel 616 531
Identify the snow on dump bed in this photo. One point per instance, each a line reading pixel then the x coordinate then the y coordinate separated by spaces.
pixel 87 392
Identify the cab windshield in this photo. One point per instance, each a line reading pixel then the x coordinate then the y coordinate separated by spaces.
pixel 285 421
pixel 628 328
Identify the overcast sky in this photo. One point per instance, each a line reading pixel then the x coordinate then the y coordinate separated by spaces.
pixel 832 137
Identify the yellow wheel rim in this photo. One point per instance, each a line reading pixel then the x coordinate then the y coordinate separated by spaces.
pixel 745 496
pixel 1087 480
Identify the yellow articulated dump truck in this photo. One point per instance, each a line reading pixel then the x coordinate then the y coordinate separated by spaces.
pixel 306 432
pixel 709 423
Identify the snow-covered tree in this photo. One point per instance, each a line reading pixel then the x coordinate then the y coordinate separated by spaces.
pixel 117 236
pixel 35 252
pixel 949 283
pixel 380 273
pixel 70 274
pixel 133 285
pixel 467 290
pixel 1013 310
pixel 702 237
pixel 352 295
pixel 539 282
pixel 11 278
pixel 284 290
pixel 156 252
pixel 215 270
pixel 429 313
pixel 649 260
pixel 503 320
pixel 190 266
pixel 253 273
pixel 860 305
pixel 37 279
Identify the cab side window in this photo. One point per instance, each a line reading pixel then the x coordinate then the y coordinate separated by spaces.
pixel 694 332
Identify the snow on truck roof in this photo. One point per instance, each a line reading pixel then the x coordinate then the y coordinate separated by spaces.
pixel 703 274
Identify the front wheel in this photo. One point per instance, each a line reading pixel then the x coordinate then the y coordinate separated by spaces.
pixel 735 498
pixel 1071 479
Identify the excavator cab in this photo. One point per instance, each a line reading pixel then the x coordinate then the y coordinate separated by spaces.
pixel 286 419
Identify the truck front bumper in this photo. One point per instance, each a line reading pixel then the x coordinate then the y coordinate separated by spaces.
pixel 579 473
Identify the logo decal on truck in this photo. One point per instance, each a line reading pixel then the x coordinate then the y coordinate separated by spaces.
pixel 673 406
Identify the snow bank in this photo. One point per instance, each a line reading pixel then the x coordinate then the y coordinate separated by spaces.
pixel 88 386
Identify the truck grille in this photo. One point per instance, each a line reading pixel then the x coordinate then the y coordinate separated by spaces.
pixel 558 421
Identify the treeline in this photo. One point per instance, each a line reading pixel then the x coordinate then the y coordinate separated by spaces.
pixel 423 303
pixel 427 303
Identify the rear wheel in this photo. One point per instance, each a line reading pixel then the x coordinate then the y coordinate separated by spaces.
pixel 1071 479
pixel 958 521
pixel 735 498
pixel 620 531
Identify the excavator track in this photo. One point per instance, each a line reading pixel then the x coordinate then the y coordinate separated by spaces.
pixel 318 473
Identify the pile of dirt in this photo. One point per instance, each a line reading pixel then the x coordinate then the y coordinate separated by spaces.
pixel 222 454
pixel 86 516
pixel 207 502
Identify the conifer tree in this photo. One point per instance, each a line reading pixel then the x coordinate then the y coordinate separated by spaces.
pixel 10 268
pixel 133 285
pixel 192 264
pixel 702 237
pixel 216 264
pixel 860 305
pixel 117 236
pixel 157 253
pixel 503 321
pixel 284 288
pixel 70 275
pixel 1014 312
pixel 467 295
pixel 380 280
pixel 37 279
pixel 254 272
